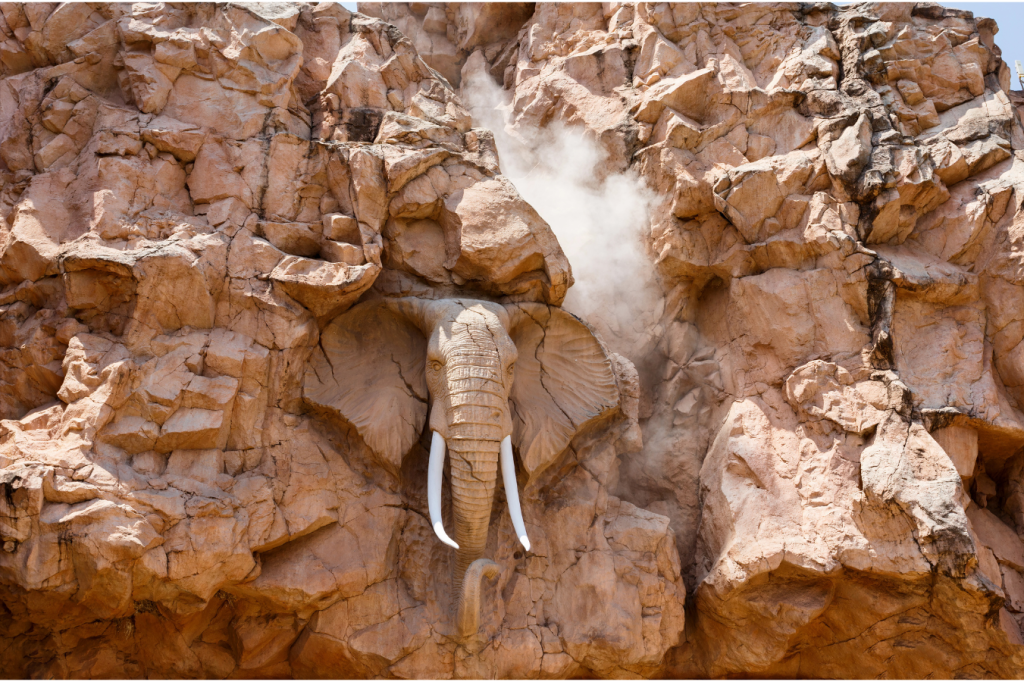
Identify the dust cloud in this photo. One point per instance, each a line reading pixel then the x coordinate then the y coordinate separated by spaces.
pixel 598 217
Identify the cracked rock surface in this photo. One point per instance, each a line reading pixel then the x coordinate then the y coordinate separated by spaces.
pixel 814 463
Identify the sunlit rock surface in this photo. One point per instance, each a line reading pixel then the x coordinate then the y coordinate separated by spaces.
pixel 803 457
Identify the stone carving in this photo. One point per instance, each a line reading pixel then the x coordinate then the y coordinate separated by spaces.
pixel 479 363
pixel 277 302
pixel 836 317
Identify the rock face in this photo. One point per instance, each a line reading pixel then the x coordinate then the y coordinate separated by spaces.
pixel 254 257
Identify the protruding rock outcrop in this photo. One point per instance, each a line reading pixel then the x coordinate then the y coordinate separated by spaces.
pixel 214 444
pixel 191 196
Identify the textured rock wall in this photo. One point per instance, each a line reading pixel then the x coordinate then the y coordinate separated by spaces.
pixel 810 465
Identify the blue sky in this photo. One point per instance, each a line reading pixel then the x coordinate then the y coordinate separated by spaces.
pixel 1010 18
pixel 1008 15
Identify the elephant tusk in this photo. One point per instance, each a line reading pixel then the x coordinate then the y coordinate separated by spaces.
pixel 508 475
pixel 435 472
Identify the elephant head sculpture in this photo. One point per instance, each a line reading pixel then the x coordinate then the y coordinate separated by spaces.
pixel 493 376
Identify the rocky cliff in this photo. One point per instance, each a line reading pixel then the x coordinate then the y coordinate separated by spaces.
pixel 263 265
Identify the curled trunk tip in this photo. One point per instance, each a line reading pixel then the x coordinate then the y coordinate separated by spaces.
pixel 468 616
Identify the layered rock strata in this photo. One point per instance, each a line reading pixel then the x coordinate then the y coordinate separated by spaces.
pixel 214 443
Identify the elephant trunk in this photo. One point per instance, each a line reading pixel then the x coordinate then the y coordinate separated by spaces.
pixel 468 617
pixel 474 472
pixel 476 410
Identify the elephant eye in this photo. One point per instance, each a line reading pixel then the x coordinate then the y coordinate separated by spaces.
pixel 436 365
pixel 511 368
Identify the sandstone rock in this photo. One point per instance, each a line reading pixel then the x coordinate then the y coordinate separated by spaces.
pixel 324 288
pixel 255 259
pixel 961 444
pixel 294 238
pixel 342 252
pixel 701 161
pixel 131 434
pixel 998 537
pixel 169 135
pixel 190 428
pixel 341 228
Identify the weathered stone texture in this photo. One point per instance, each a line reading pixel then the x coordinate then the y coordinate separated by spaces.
pixel 245 247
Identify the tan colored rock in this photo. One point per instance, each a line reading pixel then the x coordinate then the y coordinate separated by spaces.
pixel 324 288
pixel 341 252
pixel 498 253
pixel 168 135
pixel 961 444
pixel 226 353
pixel 344 561
pixel 341 228
pixel 36 231
pixel 148 84
pixel 259 263
pixel 686 95
pixel 214 177
pixel 190 428
pixel 997 536
pixel 205 393
pixel 294 238
pixel 131 434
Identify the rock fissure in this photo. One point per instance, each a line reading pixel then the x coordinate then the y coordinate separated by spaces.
pixel 807 438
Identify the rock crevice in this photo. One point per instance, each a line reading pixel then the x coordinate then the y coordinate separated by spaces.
pixel 223 229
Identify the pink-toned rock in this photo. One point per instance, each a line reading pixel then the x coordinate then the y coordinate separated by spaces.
pixel 168 135
pixel 341 252
pixel 132 434
pixel 294 238
pixel 341 228
pixel 961 444
pixel 258 260
pixel 500 237
pixel 997 536
pixel 189 428
pixel 324 288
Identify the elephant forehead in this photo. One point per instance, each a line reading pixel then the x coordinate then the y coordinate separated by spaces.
pixel 477 312
pixel 458 337
pixel 481 329
pixel 470 324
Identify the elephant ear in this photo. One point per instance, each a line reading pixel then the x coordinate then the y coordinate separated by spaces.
pixel 563 381
pixel 368 372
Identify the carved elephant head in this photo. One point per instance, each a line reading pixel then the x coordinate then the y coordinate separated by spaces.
pixel 494 376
